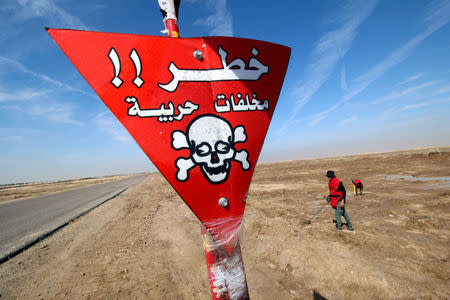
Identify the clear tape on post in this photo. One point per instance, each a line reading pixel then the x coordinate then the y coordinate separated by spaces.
pixel 229 278
pixel 226 273
pixel 229 228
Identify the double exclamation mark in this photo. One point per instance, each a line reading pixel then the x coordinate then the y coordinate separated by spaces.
pixel 134 56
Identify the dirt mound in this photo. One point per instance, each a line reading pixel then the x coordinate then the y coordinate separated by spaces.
pixel 439 155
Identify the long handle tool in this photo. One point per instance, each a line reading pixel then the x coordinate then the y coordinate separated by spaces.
pixel 308 221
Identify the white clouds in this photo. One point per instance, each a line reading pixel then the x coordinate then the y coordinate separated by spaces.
pixel 412 78
pixel 12 139
pixel 55 112
pixel 124 139
pixel 438 15
pixel 424 104
pixel 349 120
pixel 443 89
pixel 332 47
pixel 36 103
pixel 362 82
pixel 405 92
pixel 39 103
pixel 343 78
pixel 61 113
pixel 49 10
pixel 220 22
pixel 414 106
pixel 107 123
pixel 17 135
pixel 56 83
pixel 7 61
pixel 22 95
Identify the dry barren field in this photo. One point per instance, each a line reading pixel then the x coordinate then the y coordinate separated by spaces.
pixel 146 243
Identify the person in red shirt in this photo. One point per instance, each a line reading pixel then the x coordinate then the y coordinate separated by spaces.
pixel 357 184
pixel 336 198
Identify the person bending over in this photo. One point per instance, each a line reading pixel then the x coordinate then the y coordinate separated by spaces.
pixel 357 184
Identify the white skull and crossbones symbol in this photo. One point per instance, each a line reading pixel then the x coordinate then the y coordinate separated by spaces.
pixel 211 140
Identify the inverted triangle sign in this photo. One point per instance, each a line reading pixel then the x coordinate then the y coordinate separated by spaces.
pixel 198 107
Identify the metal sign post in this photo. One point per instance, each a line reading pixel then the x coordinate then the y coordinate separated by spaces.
pixel 226 273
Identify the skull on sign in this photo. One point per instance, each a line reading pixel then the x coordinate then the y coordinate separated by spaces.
pixel 211 140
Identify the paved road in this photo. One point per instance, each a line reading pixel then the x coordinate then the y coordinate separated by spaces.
pixel 22 223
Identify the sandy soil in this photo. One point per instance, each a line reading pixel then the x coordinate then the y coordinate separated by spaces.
pixel 146 243
pixel 12 192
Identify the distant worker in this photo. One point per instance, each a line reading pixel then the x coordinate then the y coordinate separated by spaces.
pixel 357 184
pixel 336 198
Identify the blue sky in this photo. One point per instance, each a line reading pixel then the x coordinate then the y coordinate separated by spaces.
pixel 364 76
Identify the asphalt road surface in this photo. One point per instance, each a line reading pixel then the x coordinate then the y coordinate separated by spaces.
pixel 23 223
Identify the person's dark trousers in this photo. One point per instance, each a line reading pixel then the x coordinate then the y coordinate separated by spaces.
pixel 340 212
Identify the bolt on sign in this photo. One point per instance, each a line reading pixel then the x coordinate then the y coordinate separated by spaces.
pixel 198 107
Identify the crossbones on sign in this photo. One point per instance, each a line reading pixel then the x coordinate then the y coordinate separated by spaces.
pixel 211 140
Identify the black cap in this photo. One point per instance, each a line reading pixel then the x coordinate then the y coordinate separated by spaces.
pixel 330 173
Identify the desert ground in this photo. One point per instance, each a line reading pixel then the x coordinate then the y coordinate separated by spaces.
pixel 146 243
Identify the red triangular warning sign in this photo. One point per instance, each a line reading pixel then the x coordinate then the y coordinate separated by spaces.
pixel 198 107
